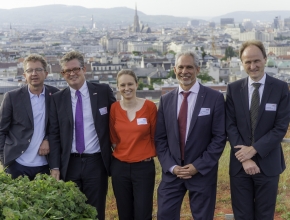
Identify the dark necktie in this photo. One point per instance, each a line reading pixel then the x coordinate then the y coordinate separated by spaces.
pixel 79 124
pixel 182 122
pixel 254 110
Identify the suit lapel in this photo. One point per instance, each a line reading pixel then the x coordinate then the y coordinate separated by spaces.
pixel 245 101
pixel 94 99
pixel 174 113
pixel 25 97
pixel 265 97
pixel 47 100
pixel 68 105
pixel 198 104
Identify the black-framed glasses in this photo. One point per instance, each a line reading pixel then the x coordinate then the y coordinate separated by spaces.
pixel 75 70
pixel 36 70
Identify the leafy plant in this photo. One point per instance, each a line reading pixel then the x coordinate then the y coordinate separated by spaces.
pixel 42 198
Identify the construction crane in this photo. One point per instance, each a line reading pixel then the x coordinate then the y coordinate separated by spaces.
pixel 213 46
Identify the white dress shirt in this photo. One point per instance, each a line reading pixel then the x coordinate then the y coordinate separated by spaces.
pixel 191 100
pixel 30 157
pixel 251 88
pixel 92 144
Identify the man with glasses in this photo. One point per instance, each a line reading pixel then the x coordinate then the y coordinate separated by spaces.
pixel 24 122
pixel 79 132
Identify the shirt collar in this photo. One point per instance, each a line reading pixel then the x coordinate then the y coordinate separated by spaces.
pixel 193 89
pixel 33 95
pixel 83 90
pixel 262 81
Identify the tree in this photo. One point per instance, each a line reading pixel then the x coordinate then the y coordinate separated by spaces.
pixel 203 75
pixel 171 74
pixel 229 53
pixel 171 51
pixel 140 86
pixel 136 53
pixel 203 54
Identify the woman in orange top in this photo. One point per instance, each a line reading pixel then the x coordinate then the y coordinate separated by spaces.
pixel 132 128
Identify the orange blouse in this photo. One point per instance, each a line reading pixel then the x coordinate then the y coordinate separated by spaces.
pixel 134 139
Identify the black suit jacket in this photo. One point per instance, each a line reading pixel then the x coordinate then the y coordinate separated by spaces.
pixel 16 122
pixel 205 140
pixel 271 125
pixel 62 125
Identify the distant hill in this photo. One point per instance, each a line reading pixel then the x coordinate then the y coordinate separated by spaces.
pixel 254 16
pixel 77 15
pixel 58 15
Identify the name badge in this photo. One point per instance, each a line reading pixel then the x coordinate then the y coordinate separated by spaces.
pixel 204 111
pixel 271 107
pixel 103 111
pixel 141 121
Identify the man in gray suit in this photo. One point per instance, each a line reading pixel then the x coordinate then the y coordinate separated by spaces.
pixel 24 121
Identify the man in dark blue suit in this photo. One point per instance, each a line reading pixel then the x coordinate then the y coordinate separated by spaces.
pixel 190 138
pixel 257 119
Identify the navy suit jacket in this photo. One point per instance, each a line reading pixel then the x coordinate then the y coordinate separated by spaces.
pixel 16 122
pixel 205 141
pixel 271 125
pixel 62 125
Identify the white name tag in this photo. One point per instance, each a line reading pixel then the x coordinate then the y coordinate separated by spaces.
pixel 141 121
pixel 103 111
pixel 271 107
pixel 204 111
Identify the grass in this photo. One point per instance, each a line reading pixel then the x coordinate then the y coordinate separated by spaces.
pixel 223 205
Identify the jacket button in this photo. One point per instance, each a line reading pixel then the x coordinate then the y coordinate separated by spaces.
pixel 29 140
pixel 22 152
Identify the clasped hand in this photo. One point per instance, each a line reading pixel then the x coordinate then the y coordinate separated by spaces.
pixel 185 172
pixel 245 152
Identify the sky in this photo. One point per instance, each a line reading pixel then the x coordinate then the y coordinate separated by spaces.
pixel 180 8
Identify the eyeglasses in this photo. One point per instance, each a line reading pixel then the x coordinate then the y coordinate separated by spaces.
pixel 37 70
pixel 75 70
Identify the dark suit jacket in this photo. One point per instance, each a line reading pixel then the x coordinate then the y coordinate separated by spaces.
pixel 62 125
pixel 271 125
pixel 206 136
pixel 16 122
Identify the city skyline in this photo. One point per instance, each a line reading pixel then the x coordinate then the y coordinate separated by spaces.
pixel 202 9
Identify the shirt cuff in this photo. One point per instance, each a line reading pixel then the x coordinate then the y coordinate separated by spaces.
pixel 172 168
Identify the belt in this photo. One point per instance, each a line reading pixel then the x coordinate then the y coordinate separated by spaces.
pixel 148 159
pixel 83 155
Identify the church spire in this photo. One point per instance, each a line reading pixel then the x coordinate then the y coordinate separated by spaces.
pixel 135 8
pixel 136 26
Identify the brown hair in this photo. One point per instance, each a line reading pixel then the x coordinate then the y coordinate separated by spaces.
pixel 71 56
pixel 127 72
pixel 34 58
pixel 256 43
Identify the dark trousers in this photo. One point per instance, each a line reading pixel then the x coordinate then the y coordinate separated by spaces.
pixel 16 170
pixel 133 185
pixel 90 175
pixel 170 196
pixel 253 196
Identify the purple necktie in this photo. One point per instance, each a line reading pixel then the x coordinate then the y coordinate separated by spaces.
pixel 79 124
pixel 182 122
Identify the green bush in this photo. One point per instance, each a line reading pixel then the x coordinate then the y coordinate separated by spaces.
pixel 42 198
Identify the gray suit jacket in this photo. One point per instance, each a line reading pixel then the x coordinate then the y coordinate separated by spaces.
pixel 16 122
pixel 62 125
